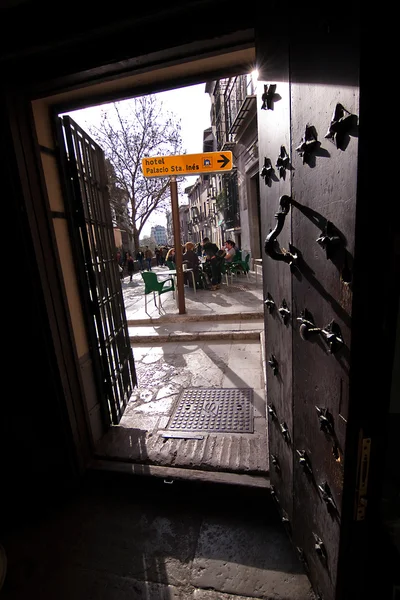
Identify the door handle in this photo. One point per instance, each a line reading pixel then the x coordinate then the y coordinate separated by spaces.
pixel 331 333
pixel 271 245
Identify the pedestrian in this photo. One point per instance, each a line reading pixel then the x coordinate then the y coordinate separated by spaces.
pixel 120 263
pixel 130 265
pixel 163 255
pixel 157 253
pixel 140 259
pixel 148 254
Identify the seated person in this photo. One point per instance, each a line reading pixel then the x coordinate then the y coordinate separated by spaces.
pixel 170 255
pixel 209 248
pixel 230 251
pixel 211 252
pixel 191 259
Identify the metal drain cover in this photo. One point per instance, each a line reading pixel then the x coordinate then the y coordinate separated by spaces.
pixel 214 409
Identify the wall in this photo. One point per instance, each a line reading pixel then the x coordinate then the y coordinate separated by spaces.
pixel 56 206
pixel 38 460
pixel 117 238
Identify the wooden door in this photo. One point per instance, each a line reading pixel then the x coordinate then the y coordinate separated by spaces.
pixel 308 113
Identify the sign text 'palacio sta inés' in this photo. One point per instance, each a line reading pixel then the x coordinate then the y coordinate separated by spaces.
pixel 187 164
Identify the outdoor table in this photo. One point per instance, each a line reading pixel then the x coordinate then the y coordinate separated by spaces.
pixel 173 273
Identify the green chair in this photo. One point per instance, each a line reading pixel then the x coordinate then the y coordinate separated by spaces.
pixel 151 284
pixel 171 265
pixel 239 266
pixel 246 264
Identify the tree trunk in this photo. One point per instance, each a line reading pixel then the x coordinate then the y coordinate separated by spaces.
pixel 135 238
pixel 135 232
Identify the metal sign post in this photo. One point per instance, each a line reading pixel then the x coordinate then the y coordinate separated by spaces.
pixel 183 165
pixel 177 244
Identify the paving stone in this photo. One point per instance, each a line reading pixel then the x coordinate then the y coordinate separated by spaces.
pixel 252 559
pixel 214 595
pixel 146 545
pixel 242 378
pixel 85 584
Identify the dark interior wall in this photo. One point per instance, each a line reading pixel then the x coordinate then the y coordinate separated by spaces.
pixel 94 39
pixel 38 458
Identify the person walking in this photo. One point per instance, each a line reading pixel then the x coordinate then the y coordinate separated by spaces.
pixel 140 259
pixel 163 255
pixel 148 254
pixel 157 252
pixel 130 265
pixel 120 264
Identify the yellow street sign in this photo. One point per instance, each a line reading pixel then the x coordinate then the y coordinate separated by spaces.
pixel 187 164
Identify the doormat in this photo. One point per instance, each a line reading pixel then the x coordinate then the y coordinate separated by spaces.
pixel 214 409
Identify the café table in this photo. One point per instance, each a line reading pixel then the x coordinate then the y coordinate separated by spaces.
pixel 173 273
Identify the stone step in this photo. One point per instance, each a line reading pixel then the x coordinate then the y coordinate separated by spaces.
pixel 195 336
pixel 234 317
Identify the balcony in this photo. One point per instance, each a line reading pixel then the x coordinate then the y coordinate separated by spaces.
pixel 248 103
pixel 228 145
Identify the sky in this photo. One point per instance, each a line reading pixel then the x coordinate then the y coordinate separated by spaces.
pixel 191 104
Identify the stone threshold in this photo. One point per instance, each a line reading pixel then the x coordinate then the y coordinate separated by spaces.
pixel 242 316
pixel 196 336
pixel 171 474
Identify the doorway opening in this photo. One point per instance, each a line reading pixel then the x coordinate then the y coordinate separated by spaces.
pixel 216 350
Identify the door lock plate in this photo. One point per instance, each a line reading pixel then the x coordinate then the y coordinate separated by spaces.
pixel 362 478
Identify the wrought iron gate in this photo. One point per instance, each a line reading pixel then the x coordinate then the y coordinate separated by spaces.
pixel 91 229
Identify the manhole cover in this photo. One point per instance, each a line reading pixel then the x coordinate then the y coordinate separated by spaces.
pixel 214 409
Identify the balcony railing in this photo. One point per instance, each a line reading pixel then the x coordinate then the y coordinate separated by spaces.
pixel 234 98
pixel 232 207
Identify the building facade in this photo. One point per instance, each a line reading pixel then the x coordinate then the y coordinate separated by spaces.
pixel 234 123
pixel 159 234
pixel 183 223
pixel 227 205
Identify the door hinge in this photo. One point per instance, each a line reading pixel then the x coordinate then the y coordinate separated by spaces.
pixel 362 478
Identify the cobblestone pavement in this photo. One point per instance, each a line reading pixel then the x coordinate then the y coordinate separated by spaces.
pixel 241 295
pixel 126 539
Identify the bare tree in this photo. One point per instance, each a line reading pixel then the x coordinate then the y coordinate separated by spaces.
pixel 130 131
pixel 118 199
